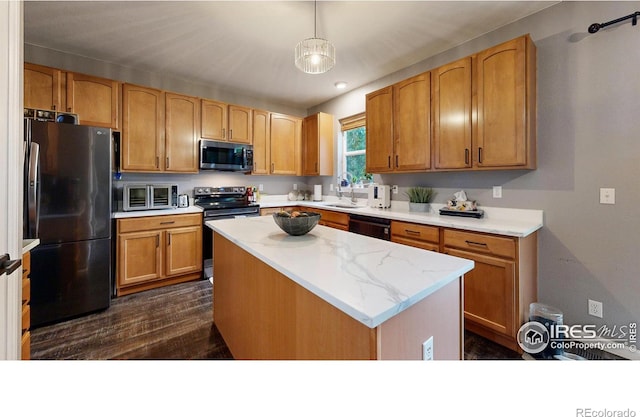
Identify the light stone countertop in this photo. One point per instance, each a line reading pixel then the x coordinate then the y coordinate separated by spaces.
pixel 163 212
pixel 369 279
pixel 501 221
pixel 29 244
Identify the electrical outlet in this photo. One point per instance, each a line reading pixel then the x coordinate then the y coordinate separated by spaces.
pixel 295 186
pixel 595 308
pixel 427 349
pixel 261 187
pixel 331 187
pixel 607 196
pixel 497 191
pixel 394 188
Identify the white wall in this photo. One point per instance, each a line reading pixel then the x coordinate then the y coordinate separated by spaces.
pixel 588 109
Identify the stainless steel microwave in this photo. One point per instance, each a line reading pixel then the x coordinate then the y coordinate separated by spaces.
pixel 149 196
pixel 225 156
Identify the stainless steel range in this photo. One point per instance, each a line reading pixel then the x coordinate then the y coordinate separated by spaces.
pixel 221 203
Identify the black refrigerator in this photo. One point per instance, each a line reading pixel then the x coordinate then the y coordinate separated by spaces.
pixel 67 205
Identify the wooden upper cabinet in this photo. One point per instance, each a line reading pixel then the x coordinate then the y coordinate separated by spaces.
pixel 240 122
pixel 452 115
pixel 506 89
pixel 214 120
pixel 379 114
pixel 95 100
pixel 143 112
pixel 226 122
pixel 285 145
pixel 42 87
pixel 317 144
pixel 261 142
pixel 399 126
pixel 182 131
pixel 412 123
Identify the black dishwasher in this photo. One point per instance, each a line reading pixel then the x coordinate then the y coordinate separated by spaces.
pixel 370 226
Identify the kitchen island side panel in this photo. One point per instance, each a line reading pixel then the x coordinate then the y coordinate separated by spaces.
pixel 262 314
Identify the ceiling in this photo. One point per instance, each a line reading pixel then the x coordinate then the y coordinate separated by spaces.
pixel 247 46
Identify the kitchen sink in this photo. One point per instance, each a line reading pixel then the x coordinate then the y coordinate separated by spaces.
pixel 344 205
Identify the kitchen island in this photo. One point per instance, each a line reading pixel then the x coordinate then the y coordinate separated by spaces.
pixel 332 294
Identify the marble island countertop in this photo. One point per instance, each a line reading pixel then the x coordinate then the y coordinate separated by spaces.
pixel 369 279
pixel 501 221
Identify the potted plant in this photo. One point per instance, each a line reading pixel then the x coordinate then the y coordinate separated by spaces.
pixel 420 198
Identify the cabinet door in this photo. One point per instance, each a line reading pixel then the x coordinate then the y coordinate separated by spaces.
pixel 261 142
pixel 42 87
pixel 240 122
pixel 317 144
pixel 379 108
pixel 501 139
pixel 412 123
pixel 94 99
pixel 214 120
pixel 489 292
pixel 452 115
pixel 142 128
pixel 183 250
pixel 286 132
pixel 139 257
pixel 310 145
pixel 182 121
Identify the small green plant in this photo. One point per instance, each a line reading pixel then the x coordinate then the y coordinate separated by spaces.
pixel 420 194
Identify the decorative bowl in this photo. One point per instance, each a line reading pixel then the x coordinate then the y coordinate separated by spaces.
pixel 297 223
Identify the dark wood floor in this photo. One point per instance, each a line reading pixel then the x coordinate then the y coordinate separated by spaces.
pixel 167 323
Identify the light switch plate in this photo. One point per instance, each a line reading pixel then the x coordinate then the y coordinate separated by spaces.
pixel 497 191
pixel 607 196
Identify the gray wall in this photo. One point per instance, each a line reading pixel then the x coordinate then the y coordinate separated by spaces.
pixel 588 109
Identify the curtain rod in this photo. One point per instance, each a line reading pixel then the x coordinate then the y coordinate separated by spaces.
pixel 597 26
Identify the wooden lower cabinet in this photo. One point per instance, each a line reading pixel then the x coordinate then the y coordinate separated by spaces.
pixel 416 235
pixel 502 285
pixel 268 211
pixel 26 308
pixel 157 251
pixel 330 218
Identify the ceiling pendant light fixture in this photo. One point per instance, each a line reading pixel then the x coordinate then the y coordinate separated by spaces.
pixel 315 55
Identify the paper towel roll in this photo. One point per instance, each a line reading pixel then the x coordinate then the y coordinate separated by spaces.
pixel 317 192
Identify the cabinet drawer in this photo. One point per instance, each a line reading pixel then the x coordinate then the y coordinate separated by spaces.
pixel 480 243
pixel 26 290
pixel 26 346
pixel 158 222
pixel 26 265
pixel 413 231
pixel 26 317
pixel 328 216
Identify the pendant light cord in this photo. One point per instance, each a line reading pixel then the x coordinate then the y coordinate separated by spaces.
pixel 315 18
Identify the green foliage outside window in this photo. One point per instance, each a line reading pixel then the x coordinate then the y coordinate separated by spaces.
pixel 355 159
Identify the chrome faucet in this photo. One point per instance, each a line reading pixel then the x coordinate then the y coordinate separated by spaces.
pixel 349 177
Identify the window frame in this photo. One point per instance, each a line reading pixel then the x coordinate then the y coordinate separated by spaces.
pixel 349 123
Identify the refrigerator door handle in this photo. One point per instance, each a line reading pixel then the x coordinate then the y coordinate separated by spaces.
pixel 33 190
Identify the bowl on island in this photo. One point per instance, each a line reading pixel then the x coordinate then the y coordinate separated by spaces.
pixel 296 223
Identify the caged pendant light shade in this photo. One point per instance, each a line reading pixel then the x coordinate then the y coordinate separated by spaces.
pixel 315 55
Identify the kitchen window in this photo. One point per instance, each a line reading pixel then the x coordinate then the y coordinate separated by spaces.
pixel 354 148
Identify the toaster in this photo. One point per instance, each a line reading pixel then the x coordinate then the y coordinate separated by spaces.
pixel 379 196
